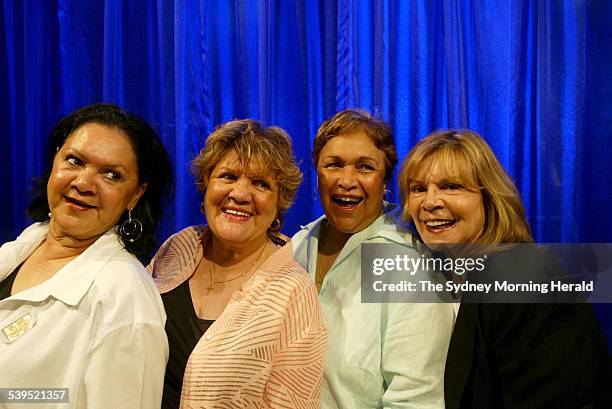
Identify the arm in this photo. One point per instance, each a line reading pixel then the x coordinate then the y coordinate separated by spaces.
pixel 297 370
pixel 125 370
pixel 415 340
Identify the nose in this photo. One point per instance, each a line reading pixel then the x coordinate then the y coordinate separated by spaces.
pixel 347 179
pixel 241 191
pixel 84 181
pixel 432 199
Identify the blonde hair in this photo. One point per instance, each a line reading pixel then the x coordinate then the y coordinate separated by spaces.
pixel 353 120
pixel 467 157
pixel 257 147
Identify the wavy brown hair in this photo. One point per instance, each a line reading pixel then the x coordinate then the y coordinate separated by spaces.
pixel 257 147
pixel 467 157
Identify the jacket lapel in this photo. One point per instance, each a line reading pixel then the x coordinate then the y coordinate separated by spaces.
pixel 460 355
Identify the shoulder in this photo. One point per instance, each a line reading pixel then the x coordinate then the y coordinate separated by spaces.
pixel 183 242
pixel 285 280
pixel 12 253
pixel 33 231
pixel 32 234
pixel 177 257
pixel 388 228
pixel 282 268
pixel 127 292
pixel 308 230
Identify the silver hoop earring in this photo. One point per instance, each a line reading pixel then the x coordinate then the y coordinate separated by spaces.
pixel 387 196
pixel 202 208
pixel 131 229
pixel 276 225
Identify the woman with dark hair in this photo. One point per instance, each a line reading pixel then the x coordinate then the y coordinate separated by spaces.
pixel 379 355
pixel 244 325
pixel 77 308
pixel 501 355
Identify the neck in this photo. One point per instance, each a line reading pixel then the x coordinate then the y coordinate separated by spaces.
pixel 58 245
pixel 332 240
pixel 225 254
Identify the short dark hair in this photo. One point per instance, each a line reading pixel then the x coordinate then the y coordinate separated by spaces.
pixel 154 169
pixel 352 120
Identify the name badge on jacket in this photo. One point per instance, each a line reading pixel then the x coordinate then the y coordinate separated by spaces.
pixel 17 328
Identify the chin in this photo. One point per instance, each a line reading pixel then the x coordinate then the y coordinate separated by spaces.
pixel 344 226
pixel 233 237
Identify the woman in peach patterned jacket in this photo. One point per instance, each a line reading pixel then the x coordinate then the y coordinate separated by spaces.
pixel 244 324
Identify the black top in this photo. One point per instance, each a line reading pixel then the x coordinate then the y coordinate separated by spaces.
pixel 7 284
pixel 527 355
pixel 184 330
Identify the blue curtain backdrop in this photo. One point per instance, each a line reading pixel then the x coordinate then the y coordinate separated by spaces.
pixel 533 77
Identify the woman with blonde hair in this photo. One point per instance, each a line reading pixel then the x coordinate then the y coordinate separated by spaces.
pixel 501 355
pixel 244 324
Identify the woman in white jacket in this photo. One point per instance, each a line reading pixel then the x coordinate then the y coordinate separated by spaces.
pixel 77 309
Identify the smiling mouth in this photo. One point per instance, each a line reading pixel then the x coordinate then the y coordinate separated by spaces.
pixel 347 202
pixel 236 214
pixel 75 203
pixel 435 225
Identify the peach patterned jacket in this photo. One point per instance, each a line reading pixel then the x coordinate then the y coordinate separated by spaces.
pixel 267 349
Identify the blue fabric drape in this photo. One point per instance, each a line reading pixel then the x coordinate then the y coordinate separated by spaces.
pixel 533 77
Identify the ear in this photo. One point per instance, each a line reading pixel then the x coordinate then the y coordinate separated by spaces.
pixel 136 196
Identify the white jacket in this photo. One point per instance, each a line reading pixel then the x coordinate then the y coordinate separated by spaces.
pixel 98 328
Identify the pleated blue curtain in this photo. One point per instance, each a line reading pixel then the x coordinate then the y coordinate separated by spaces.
pixel 533 77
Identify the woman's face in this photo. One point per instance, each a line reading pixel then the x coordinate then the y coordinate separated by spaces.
pixel 240 205
pixel 443 209
pixel 94 180
pixel 351 181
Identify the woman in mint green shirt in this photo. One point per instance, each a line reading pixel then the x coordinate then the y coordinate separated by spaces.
pixel 378 355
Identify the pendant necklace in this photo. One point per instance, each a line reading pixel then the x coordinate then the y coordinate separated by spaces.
pixel 211 285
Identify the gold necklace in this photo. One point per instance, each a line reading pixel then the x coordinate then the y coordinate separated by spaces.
pixel 211 284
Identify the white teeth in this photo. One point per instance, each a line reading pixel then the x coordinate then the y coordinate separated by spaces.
pixel 236 212
pixel 437 223
pixel 348 199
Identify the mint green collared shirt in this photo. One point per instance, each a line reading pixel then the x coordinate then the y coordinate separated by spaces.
pixel 378 355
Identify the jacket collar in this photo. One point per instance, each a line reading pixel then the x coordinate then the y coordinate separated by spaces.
pixel 387 226
pixel 72 281
pixel 179 257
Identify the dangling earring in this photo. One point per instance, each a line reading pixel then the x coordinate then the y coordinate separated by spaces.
pixel 387 197
pixel 202 208
pixel 276 225
pixel 131 229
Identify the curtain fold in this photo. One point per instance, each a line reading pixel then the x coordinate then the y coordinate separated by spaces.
pixel 532 77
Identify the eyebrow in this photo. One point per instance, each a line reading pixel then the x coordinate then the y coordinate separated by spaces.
pixel 359 159
pixel 225 168
pixel 112 166
pixel 437 182
pixel 251 174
